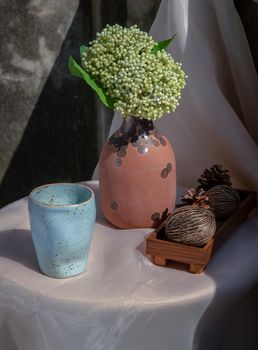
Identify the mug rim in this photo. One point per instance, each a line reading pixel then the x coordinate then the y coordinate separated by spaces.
pixel 61 205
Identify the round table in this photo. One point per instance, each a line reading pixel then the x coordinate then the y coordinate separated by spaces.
pixel 123 301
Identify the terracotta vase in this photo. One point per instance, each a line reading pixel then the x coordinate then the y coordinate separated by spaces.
pixel 137 174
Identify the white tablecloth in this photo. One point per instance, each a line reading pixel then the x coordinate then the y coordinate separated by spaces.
pixel 123 301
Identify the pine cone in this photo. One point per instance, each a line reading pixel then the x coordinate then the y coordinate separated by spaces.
pixel 213 177
pixel 196 198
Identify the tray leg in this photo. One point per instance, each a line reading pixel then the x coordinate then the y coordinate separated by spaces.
pixel 158 260
pixel 196 268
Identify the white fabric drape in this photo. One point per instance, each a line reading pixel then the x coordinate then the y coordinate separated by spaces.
pixel 123 301
pixel 217 121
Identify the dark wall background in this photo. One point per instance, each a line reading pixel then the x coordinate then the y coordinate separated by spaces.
pixel 52 127
pixel 248 11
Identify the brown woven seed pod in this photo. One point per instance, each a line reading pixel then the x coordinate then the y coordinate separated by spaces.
pixel 224 200
pixel 190 225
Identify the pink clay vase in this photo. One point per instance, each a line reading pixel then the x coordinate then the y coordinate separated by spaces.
pixel 137 174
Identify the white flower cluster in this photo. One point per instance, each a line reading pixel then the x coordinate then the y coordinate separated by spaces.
pixel 143 84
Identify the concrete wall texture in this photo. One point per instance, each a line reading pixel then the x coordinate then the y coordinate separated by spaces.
pixel 47 123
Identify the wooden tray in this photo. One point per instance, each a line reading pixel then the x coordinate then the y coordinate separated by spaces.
pixel 196 258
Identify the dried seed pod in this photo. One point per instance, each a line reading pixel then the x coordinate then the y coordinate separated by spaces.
pixel 224 200
pixel 191 225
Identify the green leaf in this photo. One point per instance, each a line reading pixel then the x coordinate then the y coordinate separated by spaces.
pixel 76 70
pixel 162 45
pixel 82 49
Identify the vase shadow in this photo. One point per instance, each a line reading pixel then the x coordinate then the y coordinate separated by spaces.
pixel 17 245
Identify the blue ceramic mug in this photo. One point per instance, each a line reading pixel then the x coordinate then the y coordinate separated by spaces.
pixel 62 217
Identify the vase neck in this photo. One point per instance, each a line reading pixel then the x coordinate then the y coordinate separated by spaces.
pixel 131 130
pixel 133 127
pixel 139 124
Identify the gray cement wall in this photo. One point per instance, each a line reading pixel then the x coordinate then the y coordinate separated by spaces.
pixel 47 117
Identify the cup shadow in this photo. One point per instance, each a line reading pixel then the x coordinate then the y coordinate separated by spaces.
pixel 17 245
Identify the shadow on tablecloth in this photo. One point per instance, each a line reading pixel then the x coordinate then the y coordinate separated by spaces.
pixel 17 245
pixel 230 321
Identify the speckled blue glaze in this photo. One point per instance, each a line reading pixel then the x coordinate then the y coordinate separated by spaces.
pixel 62 217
